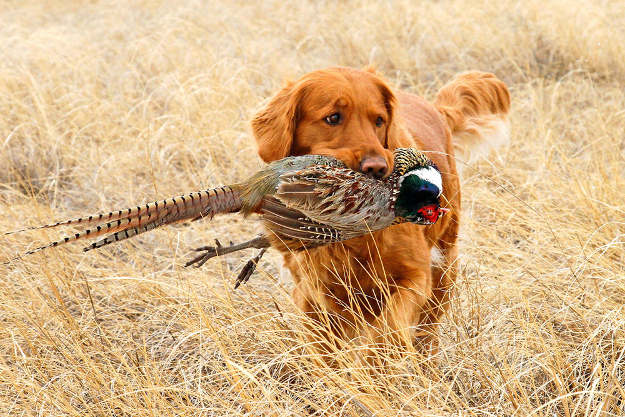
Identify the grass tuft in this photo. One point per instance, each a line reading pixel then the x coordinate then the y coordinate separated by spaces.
pixel 108 104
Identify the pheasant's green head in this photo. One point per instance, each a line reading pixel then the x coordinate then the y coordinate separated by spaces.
pixel 418 187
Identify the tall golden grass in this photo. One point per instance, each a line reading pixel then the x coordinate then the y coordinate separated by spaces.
pixel 106 105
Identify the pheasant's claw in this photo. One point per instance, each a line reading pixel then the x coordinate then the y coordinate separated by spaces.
pixel 245 273
pixel 259 242
pixel 209 252
pixel 248 269
pixel 203 248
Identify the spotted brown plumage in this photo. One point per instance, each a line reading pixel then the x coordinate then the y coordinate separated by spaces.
pixel 341 204
pixel 304 201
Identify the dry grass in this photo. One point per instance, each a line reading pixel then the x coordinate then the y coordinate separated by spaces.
pixel 106 105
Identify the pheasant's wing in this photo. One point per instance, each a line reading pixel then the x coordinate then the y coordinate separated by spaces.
pixel 338 198
pixel 123 224
pixel 292 224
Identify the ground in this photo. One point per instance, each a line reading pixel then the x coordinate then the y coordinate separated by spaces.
pixel 109 104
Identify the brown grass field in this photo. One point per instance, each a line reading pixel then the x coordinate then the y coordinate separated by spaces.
pixel 106 105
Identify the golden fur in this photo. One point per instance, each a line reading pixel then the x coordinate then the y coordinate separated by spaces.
pixel 387 277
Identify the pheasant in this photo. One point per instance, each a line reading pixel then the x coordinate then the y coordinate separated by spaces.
pixel 305 201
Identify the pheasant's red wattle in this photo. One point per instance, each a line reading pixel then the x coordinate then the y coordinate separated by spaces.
pixel 431 212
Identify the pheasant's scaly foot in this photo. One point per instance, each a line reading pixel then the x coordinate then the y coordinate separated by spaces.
pixel 209 252
pixel 248 269
pixel 259 242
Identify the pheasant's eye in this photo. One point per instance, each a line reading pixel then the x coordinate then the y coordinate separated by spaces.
pixel 333 119
pixel 379 121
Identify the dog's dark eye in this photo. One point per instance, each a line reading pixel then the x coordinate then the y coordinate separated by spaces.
pixel 379 121
pixel 333 119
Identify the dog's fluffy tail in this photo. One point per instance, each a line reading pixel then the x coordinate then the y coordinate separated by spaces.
pixel 475 106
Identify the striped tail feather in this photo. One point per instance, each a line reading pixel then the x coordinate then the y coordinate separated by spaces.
pixel 110 227
pixel 123 224
pixel 125 234
pixel 94 218
pixel 171 216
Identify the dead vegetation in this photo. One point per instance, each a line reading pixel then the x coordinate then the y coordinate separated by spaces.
pixel 109 104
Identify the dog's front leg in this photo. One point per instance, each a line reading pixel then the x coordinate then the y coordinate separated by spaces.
pixel 396 325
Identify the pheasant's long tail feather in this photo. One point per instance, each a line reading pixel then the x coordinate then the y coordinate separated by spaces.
pixel 131 222
pixel 110 227
pixel 100 218
pixel 125 234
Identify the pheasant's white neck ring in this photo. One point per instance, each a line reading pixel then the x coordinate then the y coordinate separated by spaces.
pixel 427 174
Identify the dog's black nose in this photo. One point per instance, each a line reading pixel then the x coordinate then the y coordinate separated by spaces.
pixel 374 166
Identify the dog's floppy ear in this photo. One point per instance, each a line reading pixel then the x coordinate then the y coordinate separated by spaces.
pixel 396 135
pixel 274 126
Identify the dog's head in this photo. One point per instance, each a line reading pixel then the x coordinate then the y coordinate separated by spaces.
pixel 341 112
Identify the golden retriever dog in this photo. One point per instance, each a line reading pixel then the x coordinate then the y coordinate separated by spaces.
pixel 398 279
